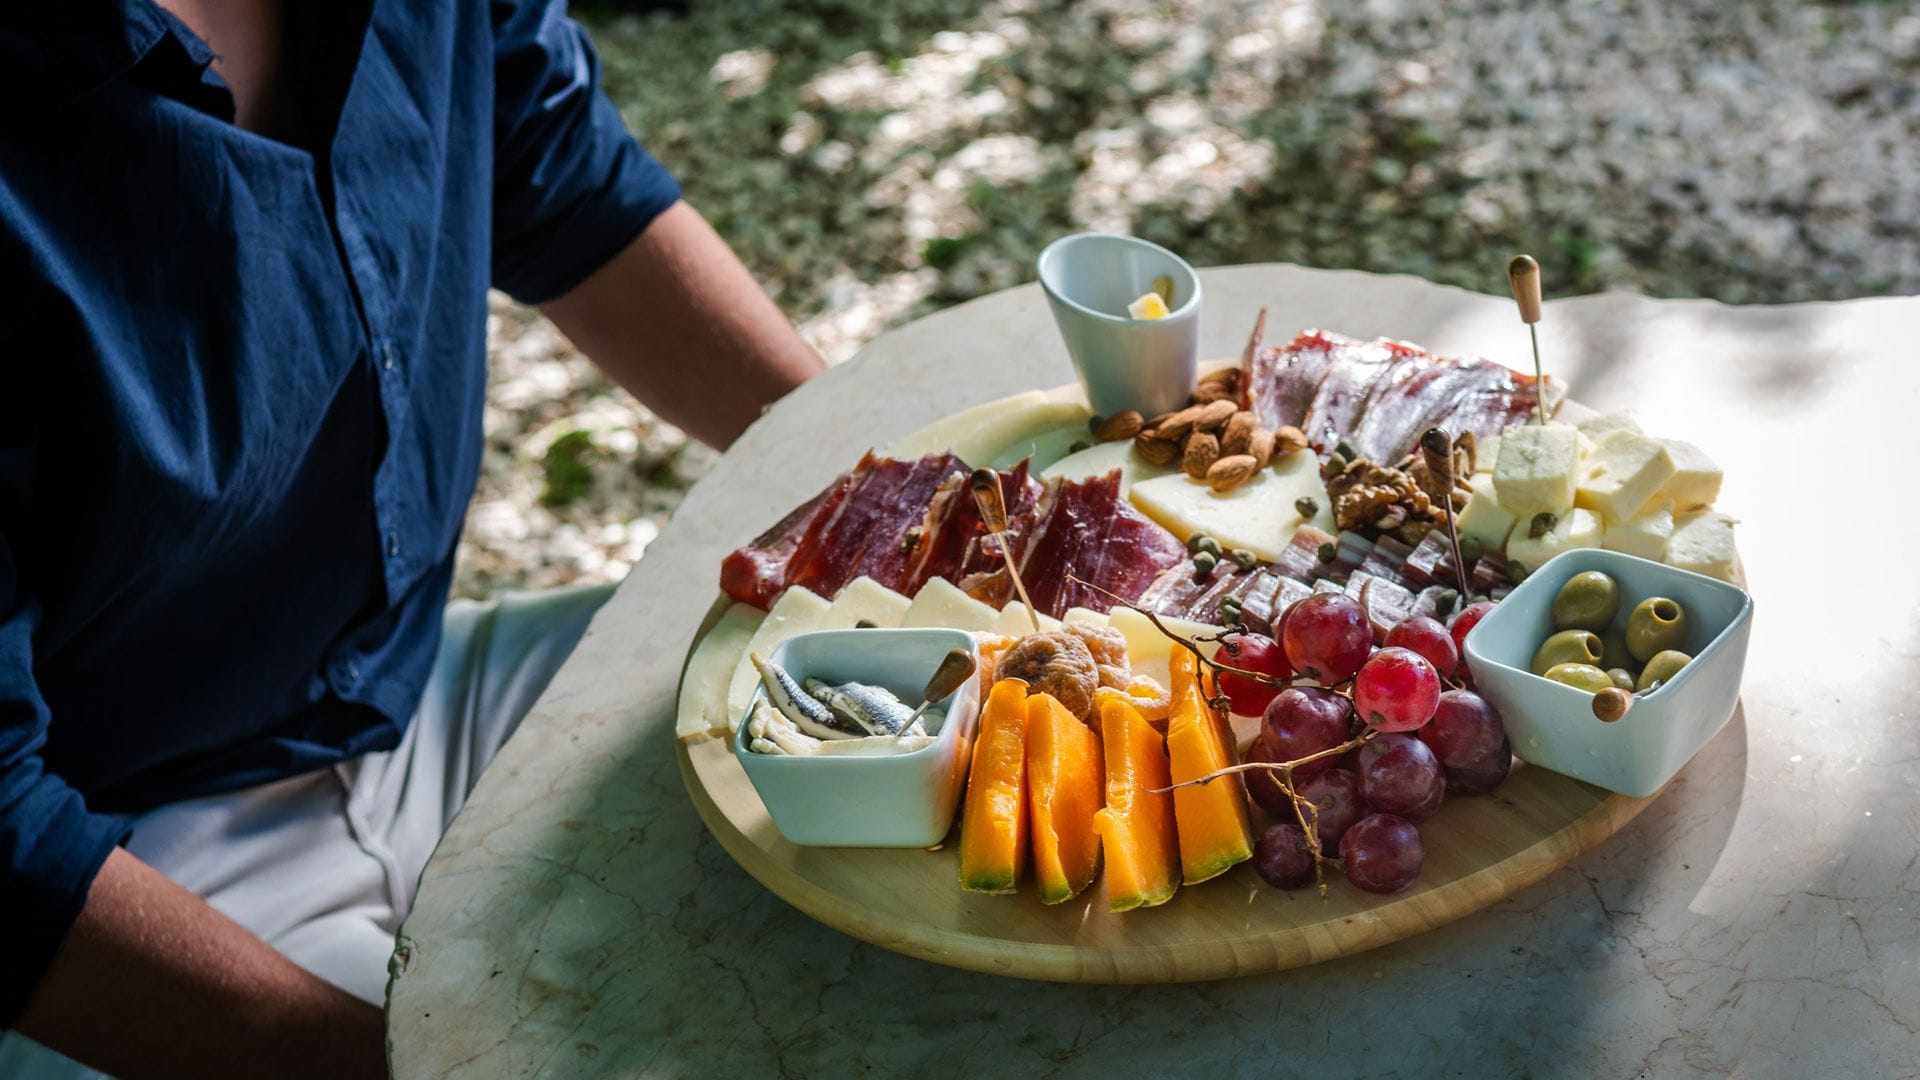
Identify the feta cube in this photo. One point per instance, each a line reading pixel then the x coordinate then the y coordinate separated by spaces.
pixel 1536 470
pixel 1624 472
pixel 1703 543
pixel 1646 535
pixel 1599 427
pixel 1571 529
pixel 1695 482
pixel 1484 519
pixel 1485 453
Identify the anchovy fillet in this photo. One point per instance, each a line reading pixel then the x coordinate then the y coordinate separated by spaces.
pixel 807 714
pixel 873 709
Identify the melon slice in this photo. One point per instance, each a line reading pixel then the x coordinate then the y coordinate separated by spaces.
pixel 1065 785
pixel 1137 838
pixel 1211 819
pixel 993 824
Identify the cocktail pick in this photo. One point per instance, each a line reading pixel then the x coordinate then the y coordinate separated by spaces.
pixel 1611 704
pixel 1523 274
pixel 955 669
pixel 992 503
pixel 1436 447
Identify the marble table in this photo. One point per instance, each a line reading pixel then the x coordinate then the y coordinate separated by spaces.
pixel 1761 918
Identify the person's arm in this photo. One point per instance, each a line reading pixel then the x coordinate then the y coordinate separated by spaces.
pixel 684 327
pixel 153 982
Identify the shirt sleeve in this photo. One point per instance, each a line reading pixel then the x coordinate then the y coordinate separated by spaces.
pixel 571 186
pixel 50 845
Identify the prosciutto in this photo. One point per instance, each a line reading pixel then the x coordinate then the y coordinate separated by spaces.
pixel 1378 396
pixel 1085 530
pixel 953 543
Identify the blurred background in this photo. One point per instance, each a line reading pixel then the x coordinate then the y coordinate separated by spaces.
pixel 875 162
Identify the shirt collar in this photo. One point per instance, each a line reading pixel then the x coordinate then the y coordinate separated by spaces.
pixel 89 43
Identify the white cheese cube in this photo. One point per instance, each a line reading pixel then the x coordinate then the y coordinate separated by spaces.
pixel 941 603
pixel 1536 470
pixel 1703 543
pixel 1599 427
pixel 1261 515
pixel 1485 453
pixel 1484 519
pixel 1571 529
pixel 1646 535
pixel 1624 472
pixel 1695 482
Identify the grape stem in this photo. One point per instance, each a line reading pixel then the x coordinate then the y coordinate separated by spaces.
pixel 1283 767
pixel 1190 644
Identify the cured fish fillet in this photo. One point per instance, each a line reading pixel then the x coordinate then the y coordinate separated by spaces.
pixel 1082 529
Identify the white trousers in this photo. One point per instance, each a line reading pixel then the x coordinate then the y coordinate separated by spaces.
pixel 324 866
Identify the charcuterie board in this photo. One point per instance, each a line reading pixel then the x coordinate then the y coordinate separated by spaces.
pixel 1477 850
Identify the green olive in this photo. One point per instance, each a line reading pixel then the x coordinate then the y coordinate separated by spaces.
pixel 1580 677
pixel 1614 651
pixel 1587 601
pixel 1662 668
pixel 1622 678
pixel 1657 624
pixel 1567 647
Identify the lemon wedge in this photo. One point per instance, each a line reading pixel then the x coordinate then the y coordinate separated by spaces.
pixel 1149 306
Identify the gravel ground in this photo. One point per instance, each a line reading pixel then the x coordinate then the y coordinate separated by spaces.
pixel 870 170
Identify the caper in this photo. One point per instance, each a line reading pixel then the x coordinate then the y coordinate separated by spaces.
pixel 1657 624
pixel 1580 677
pixel 1208 546
pixel 1194 542
pixel 1622 678
pixel 1568 647
pixel 1587 601
pixel 1662 668
pixel 1079 445
pixel 1471 549
pixel 1306 505
pixel 1244 559
pixel 1204 562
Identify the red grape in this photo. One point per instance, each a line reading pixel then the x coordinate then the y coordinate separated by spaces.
pixel 1327 637
pixel 1464 623
pixel 1400 775
pixel 1263 785
pixel 1301 721
pixel 1428 638
pixel 1336 795
pixel 1282 858
pixel 1251 652
pixel 1396 690
pixel 1469 740
pixel 1382 853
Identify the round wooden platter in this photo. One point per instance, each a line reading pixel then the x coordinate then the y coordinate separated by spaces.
pixel 1478 850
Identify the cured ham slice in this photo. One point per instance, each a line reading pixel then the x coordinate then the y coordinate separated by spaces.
pixel 757 574
pixel 1082 529
pixel 1301 558
pixel 1378 396
pixel 953 543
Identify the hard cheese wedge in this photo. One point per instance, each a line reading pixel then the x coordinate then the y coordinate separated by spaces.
pixel 1065 787
pixel 1211 819
pixel 993 823
pixel 703 686
pixel 866 601
pixel 1014 621
pixel 1004 430
pixel 941 603
pixel 1085 615
pixel 1103 459
pixel 1260 515
pixel 797 611
pixel 1137 838
pixel 1149 650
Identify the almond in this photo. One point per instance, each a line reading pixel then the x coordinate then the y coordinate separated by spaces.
pixel 1214 415
pixel 1238 434
pixel 1207 393
pixel 1202 451
pixel 1288 439
pixel 1121 425
pixel 1231 471
pixel 1175 427
pixel 1260 446
pixel 1155 451
pixel 1227 378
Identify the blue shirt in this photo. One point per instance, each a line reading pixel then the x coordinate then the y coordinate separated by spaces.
pixel 241 390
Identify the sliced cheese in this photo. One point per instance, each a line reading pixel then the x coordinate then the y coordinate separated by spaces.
pixel 1624 472
pixel 1571 529
pixel 797 611
pixel 1646 535
pixel 1013 621
pixel 1535 473
pixel 1085 615
pixel 703 686
pixel 1484 519
pixel 1485 453
pixel 1599 426
pixel 1260 515
pixel 864 600
pixel 1102 459
pixel 986 433
pixel 1046 446
pixel 941 603
pixel 1703 543
pixel 1695 482
pixel 1149 650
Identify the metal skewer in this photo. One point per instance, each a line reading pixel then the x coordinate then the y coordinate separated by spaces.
pixel 1436 446
pixel 1523 274
pixel 954 670
pixel 992 502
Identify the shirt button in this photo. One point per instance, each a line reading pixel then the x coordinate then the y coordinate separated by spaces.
pixel 393 544
pixel 386 354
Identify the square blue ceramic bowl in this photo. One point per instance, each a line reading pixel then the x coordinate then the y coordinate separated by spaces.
pixel 1552 725
pixel 892 800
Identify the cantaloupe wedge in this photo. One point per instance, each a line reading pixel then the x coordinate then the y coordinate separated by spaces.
pixel 1147 697
pixel 1211 819
pixel 993 824
pixel 1065 787
pixel 1137 839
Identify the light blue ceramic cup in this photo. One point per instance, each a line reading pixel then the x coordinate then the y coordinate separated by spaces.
pixel 1123 362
